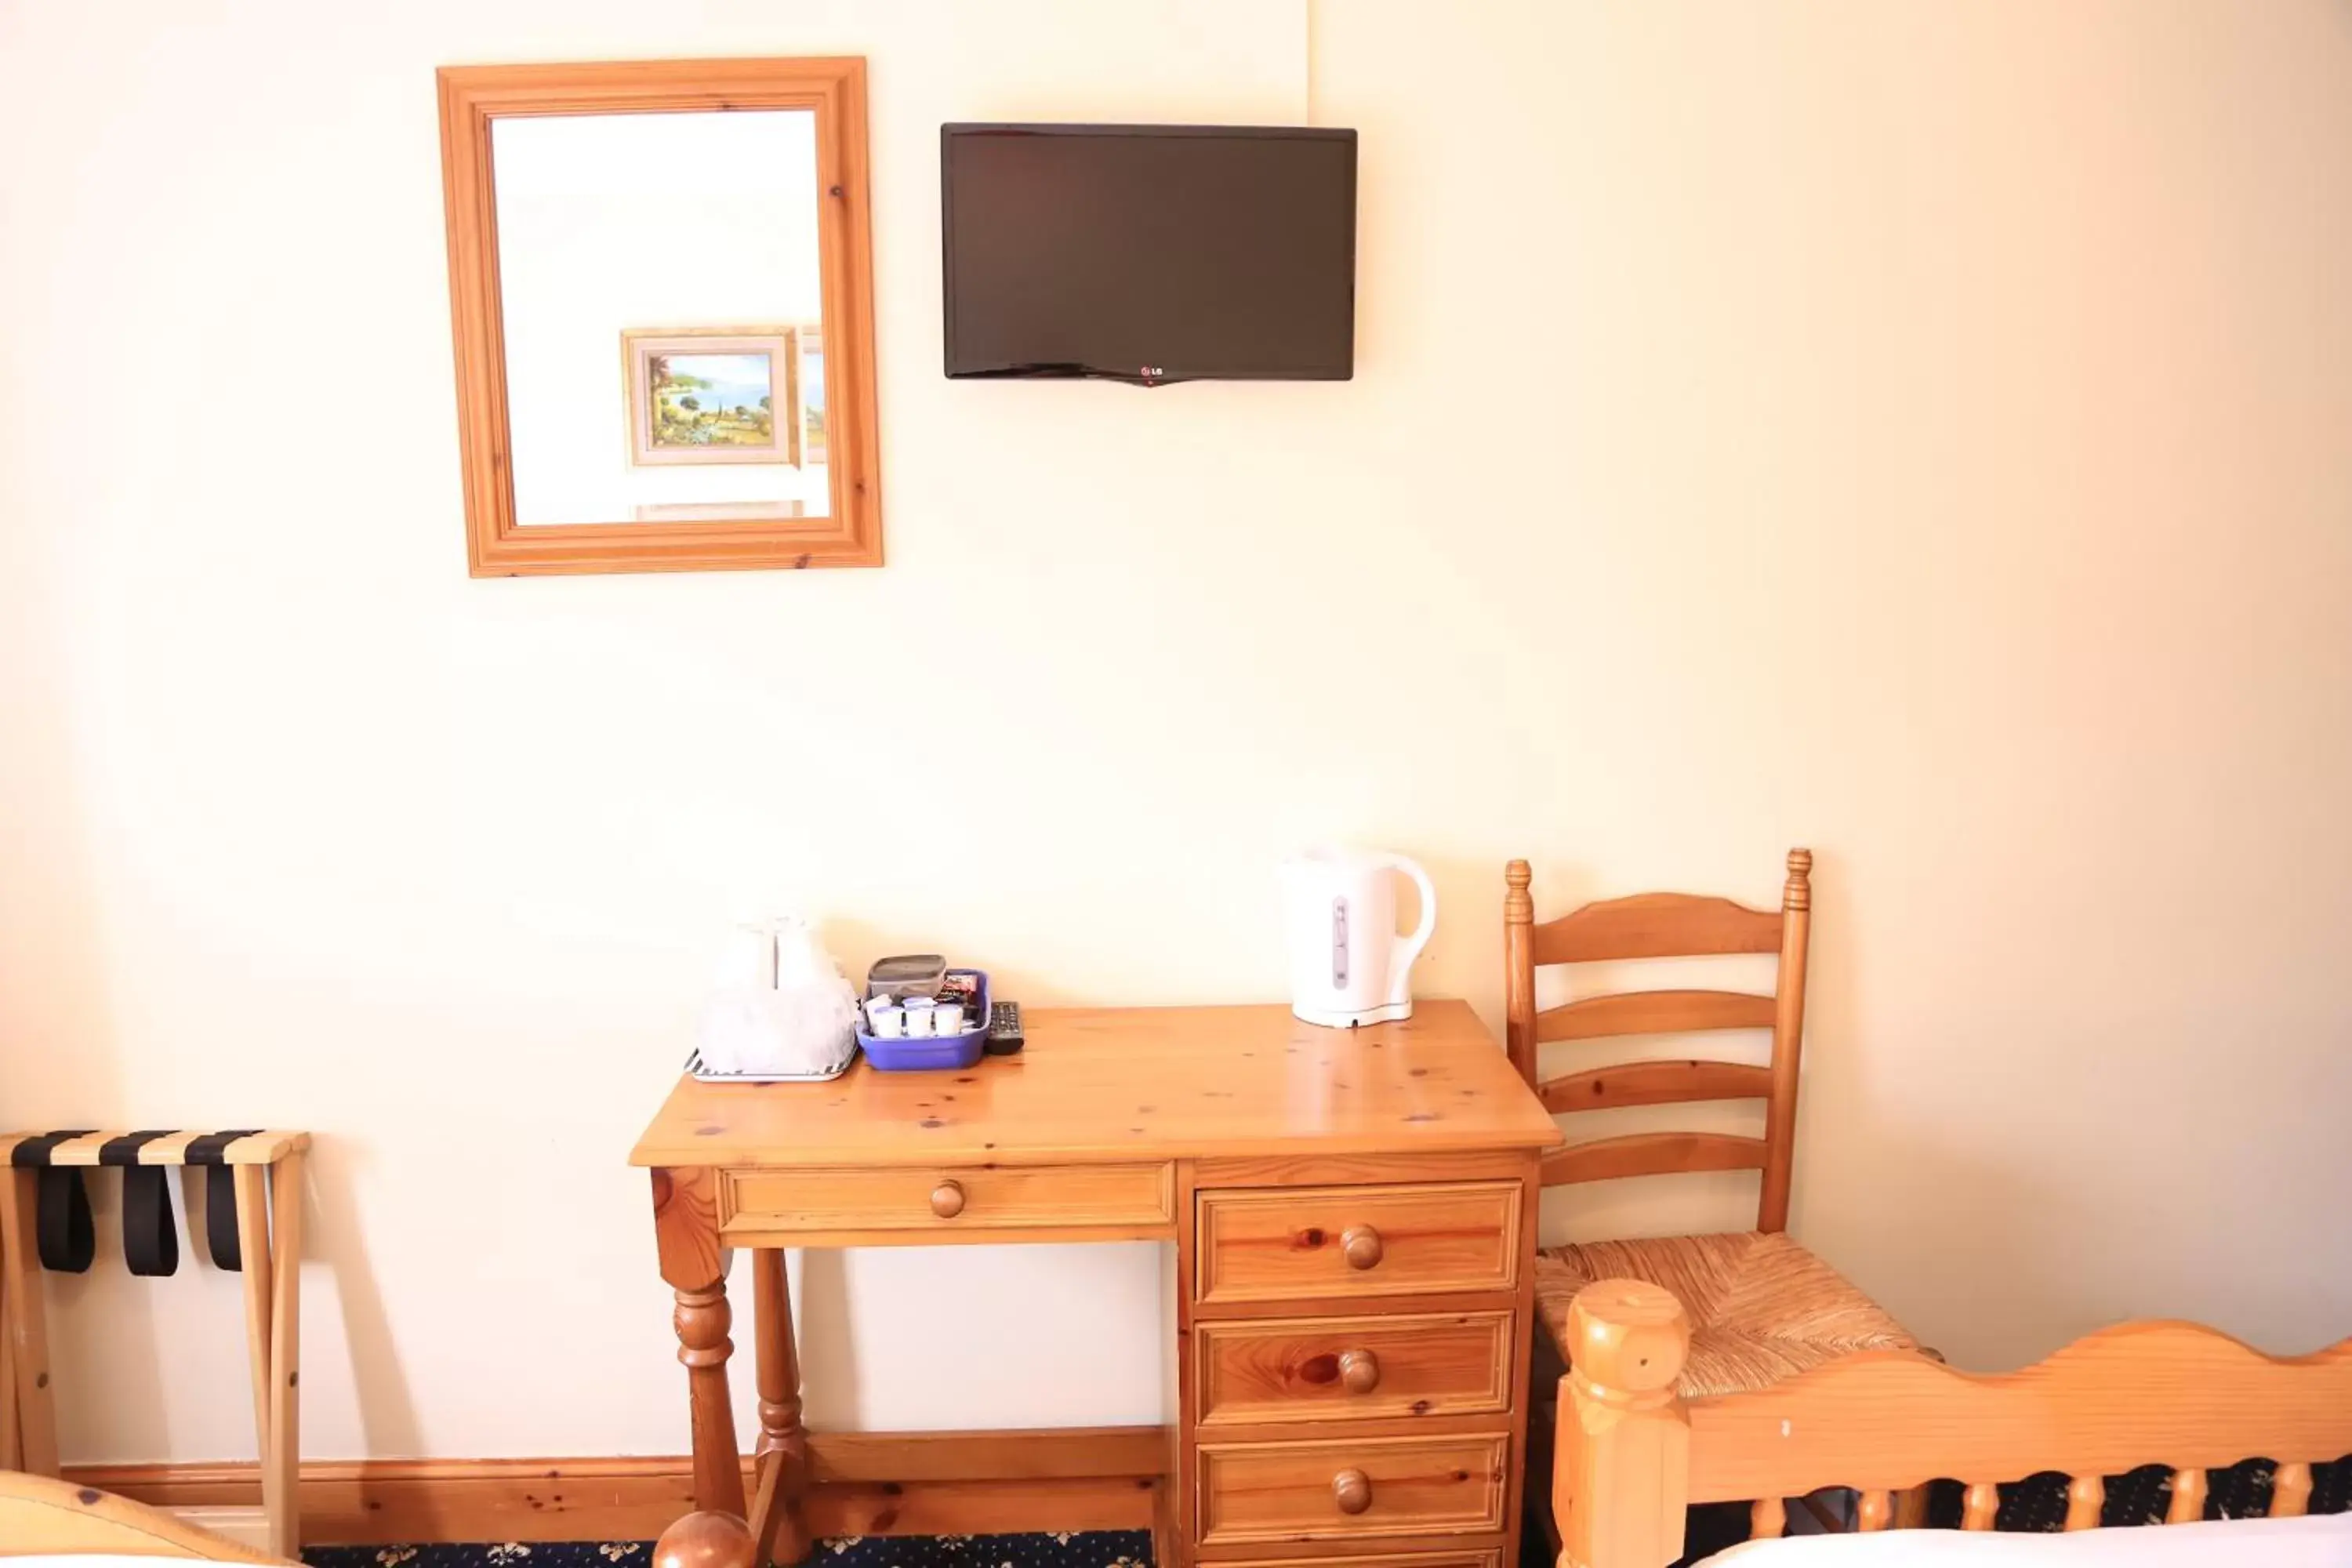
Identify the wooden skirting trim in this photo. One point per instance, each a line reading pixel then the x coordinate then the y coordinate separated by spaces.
pixel 1052 1453
pixel 867 1483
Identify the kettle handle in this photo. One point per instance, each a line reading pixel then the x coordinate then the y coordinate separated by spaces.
pixel 1408 948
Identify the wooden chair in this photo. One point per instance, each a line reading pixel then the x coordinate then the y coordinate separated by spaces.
pixel 1761 1306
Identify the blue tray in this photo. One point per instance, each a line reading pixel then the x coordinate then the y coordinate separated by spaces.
pixel 930 1053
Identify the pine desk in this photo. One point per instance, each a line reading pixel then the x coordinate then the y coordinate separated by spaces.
pixel 1354 1214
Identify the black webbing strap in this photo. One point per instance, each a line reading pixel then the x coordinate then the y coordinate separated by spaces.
pixel 150 1243
pixel 63 1234
pixel 220 1195
pixel 33 1153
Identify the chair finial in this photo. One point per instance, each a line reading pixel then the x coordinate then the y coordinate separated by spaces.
pixel 1799 892
pixel 1519 908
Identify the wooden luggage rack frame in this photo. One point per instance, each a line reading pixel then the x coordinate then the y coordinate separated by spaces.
pixel 266 1168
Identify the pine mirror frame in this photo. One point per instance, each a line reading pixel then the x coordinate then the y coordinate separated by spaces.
pixel 472 97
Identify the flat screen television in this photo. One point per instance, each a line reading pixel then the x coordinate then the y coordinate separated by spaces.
pixel 1149 253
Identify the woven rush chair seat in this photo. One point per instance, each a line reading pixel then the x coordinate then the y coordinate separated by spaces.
pixel 1761 1307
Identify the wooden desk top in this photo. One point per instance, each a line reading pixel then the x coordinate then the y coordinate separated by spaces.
pixel 1146 1083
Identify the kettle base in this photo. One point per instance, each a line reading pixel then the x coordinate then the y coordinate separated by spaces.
pixel 1347 1018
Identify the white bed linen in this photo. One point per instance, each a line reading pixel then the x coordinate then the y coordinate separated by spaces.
pixel 2320 1542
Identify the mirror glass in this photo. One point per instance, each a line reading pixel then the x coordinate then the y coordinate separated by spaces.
pixel 658 281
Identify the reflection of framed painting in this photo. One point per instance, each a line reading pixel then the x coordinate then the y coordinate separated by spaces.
pixel 812 420
pixel 712 394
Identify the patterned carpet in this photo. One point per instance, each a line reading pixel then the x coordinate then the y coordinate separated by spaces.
pixel 1091 1549
pixel 2038 1504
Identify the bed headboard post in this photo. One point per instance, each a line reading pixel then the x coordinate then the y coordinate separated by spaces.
pixel 706 1540
pixel 1623 1469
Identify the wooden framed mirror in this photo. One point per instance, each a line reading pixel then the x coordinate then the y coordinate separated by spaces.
pixel 661 287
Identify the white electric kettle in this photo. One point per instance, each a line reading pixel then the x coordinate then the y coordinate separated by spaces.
pixel 1347 964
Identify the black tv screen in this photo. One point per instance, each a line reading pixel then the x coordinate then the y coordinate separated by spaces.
pixel 1149 253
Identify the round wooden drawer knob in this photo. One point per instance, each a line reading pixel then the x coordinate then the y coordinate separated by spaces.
pixel 1361 1245
pixel 946 1199
pixel 1352 1491
pixel 1360 1370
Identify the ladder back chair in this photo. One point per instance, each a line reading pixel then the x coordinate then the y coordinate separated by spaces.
pixel 1761 1306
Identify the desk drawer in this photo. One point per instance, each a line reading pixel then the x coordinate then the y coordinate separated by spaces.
pixel 1352 1369
pixel 1295 1243
pixel 1336 1490
pixel 935 1202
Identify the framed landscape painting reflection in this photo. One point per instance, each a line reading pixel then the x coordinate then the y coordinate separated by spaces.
pixel 812 421
pixel 712 396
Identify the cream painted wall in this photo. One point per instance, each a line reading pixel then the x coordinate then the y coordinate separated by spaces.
pixel 1918 430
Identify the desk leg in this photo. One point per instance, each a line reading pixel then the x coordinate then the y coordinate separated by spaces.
pixel 686 1229
pixel 779 1524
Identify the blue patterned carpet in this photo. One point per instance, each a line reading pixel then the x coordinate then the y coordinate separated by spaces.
pixel 1089 1549
pixel 2039 1504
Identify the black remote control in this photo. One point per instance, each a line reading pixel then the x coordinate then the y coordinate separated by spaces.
pixel 1003 1029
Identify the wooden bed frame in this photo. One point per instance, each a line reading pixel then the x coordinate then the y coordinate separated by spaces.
pixel 1631 1455
pixel 43 1517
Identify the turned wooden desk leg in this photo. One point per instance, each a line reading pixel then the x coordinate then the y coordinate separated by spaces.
pixel 702 1318
pixel 686 1230
pixel 779 1525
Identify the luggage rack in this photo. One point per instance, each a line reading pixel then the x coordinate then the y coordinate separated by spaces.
pixel 253 1225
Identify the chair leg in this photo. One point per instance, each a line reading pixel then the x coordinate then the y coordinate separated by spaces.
pixel 1537 1517
pixel 1819 1511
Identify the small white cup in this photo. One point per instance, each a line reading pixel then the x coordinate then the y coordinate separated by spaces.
pixel 947 1020
pixel 888 1023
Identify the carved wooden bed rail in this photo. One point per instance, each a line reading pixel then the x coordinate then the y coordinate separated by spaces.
pixel 1631 1455
pixel 40 1517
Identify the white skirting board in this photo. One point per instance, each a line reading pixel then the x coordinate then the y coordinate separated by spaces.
pixel 244 1523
